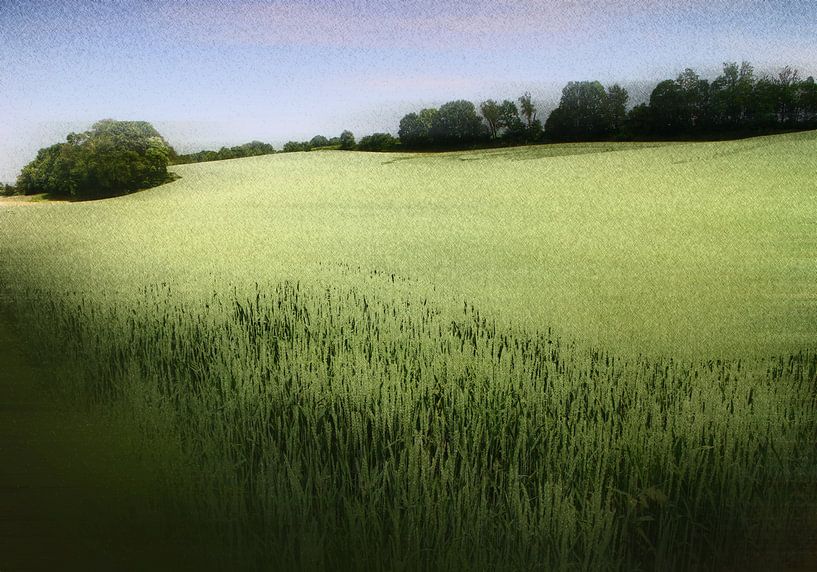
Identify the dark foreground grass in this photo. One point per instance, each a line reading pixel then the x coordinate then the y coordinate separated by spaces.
pixel 363 428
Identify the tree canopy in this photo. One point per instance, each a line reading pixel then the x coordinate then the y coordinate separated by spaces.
pixel 112 158
pixel 377 142
pixel 737 100
pixel 587 111
pixel 456 123
pixel 251 149
pixel 415 128
pixel 347 140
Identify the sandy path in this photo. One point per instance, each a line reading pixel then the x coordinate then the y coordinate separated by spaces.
pixel 19 201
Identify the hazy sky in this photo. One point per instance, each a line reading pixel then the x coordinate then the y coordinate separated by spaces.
pixel 208 72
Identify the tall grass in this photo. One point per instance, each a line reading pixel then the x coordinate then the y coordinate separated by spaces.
pixel 334 427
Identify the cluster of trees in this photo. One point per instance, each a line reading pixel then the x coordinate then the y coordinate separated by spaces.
pixel 252 149
pixel 737 100
pixel 378 142
pixel 7 190
pixel 588 111
pixel 346 142
pixel 112 158
pixel 457 124
pixel 117 157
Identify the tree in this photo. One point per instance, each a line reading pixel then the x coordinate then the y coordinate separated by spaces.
pixel 667 107
pixel 528 109
pixel 377 142
pixel 492 113
pixel 694 94
pixel 808 100
pixel 787 86
pixel 415 128
pixel 732 95
pixel 7 190
pixel 318 141
pixel 616 108
pixel 295 146
pixel 456 123
pixel 347 140
pixel 113 157
pixel 509 120
pixel 639 121
pixel 414 131
pixel 582 112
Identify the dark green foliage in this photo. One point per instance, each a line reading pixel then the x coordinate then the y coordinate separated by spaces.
pixel 667 108
pixel 586 112
pixel 639 121
pixel 808 100
pixel 251 149
pixel 415 129
pixel 528 109
pixel 616 108
pixel 509 120
pixel 295 146
pixel 456 124
pixel 7 190
pixel 490 112
pixel 377 142
pixel 112 158
pixel 688 105
pixel 503 120
pixel 347 140
pixel 736 101
pixel 318 141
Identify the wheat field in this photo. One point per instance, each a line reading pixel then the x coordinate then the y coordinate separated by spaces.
pixel 570 357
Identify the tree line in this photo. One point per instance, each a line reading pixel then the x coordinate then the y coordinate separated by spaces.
pixel 116 157
pixel 736 101
pixel 251 149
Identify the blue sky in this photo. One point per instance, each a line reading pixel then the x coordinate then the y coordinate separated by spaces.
pixel 208 73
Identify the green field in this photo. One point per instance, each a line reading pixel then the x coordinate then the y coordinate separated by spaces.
pixel 583 356
pixel 680 248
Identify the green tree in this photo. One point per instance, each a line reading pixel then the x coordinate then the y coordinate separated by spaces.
pixel 639 121
pixel 294 146
pixel 616 108
pixel 492 113
pixel 7 190
pixel 808 100
pixel 347 140
pixel 787 84
pixel 667 108
pixel 732 94
pixel 509 121
pixel 113 157
pixel 528 109
pixel 695 100
pixel 415 128
pixel 456 123
pixel 377 142
pixel 318 141
pixel 582 112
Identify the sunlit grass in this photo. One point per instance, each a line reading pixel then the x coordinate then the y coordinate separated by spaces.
pixel 680 248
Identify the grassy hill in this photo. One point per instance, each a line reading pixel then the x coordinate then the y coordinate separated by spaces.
pixel 595 356
pixel 679 248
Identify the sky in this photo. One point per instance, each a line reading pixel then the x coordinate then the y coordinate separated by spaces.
pixel 209 73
